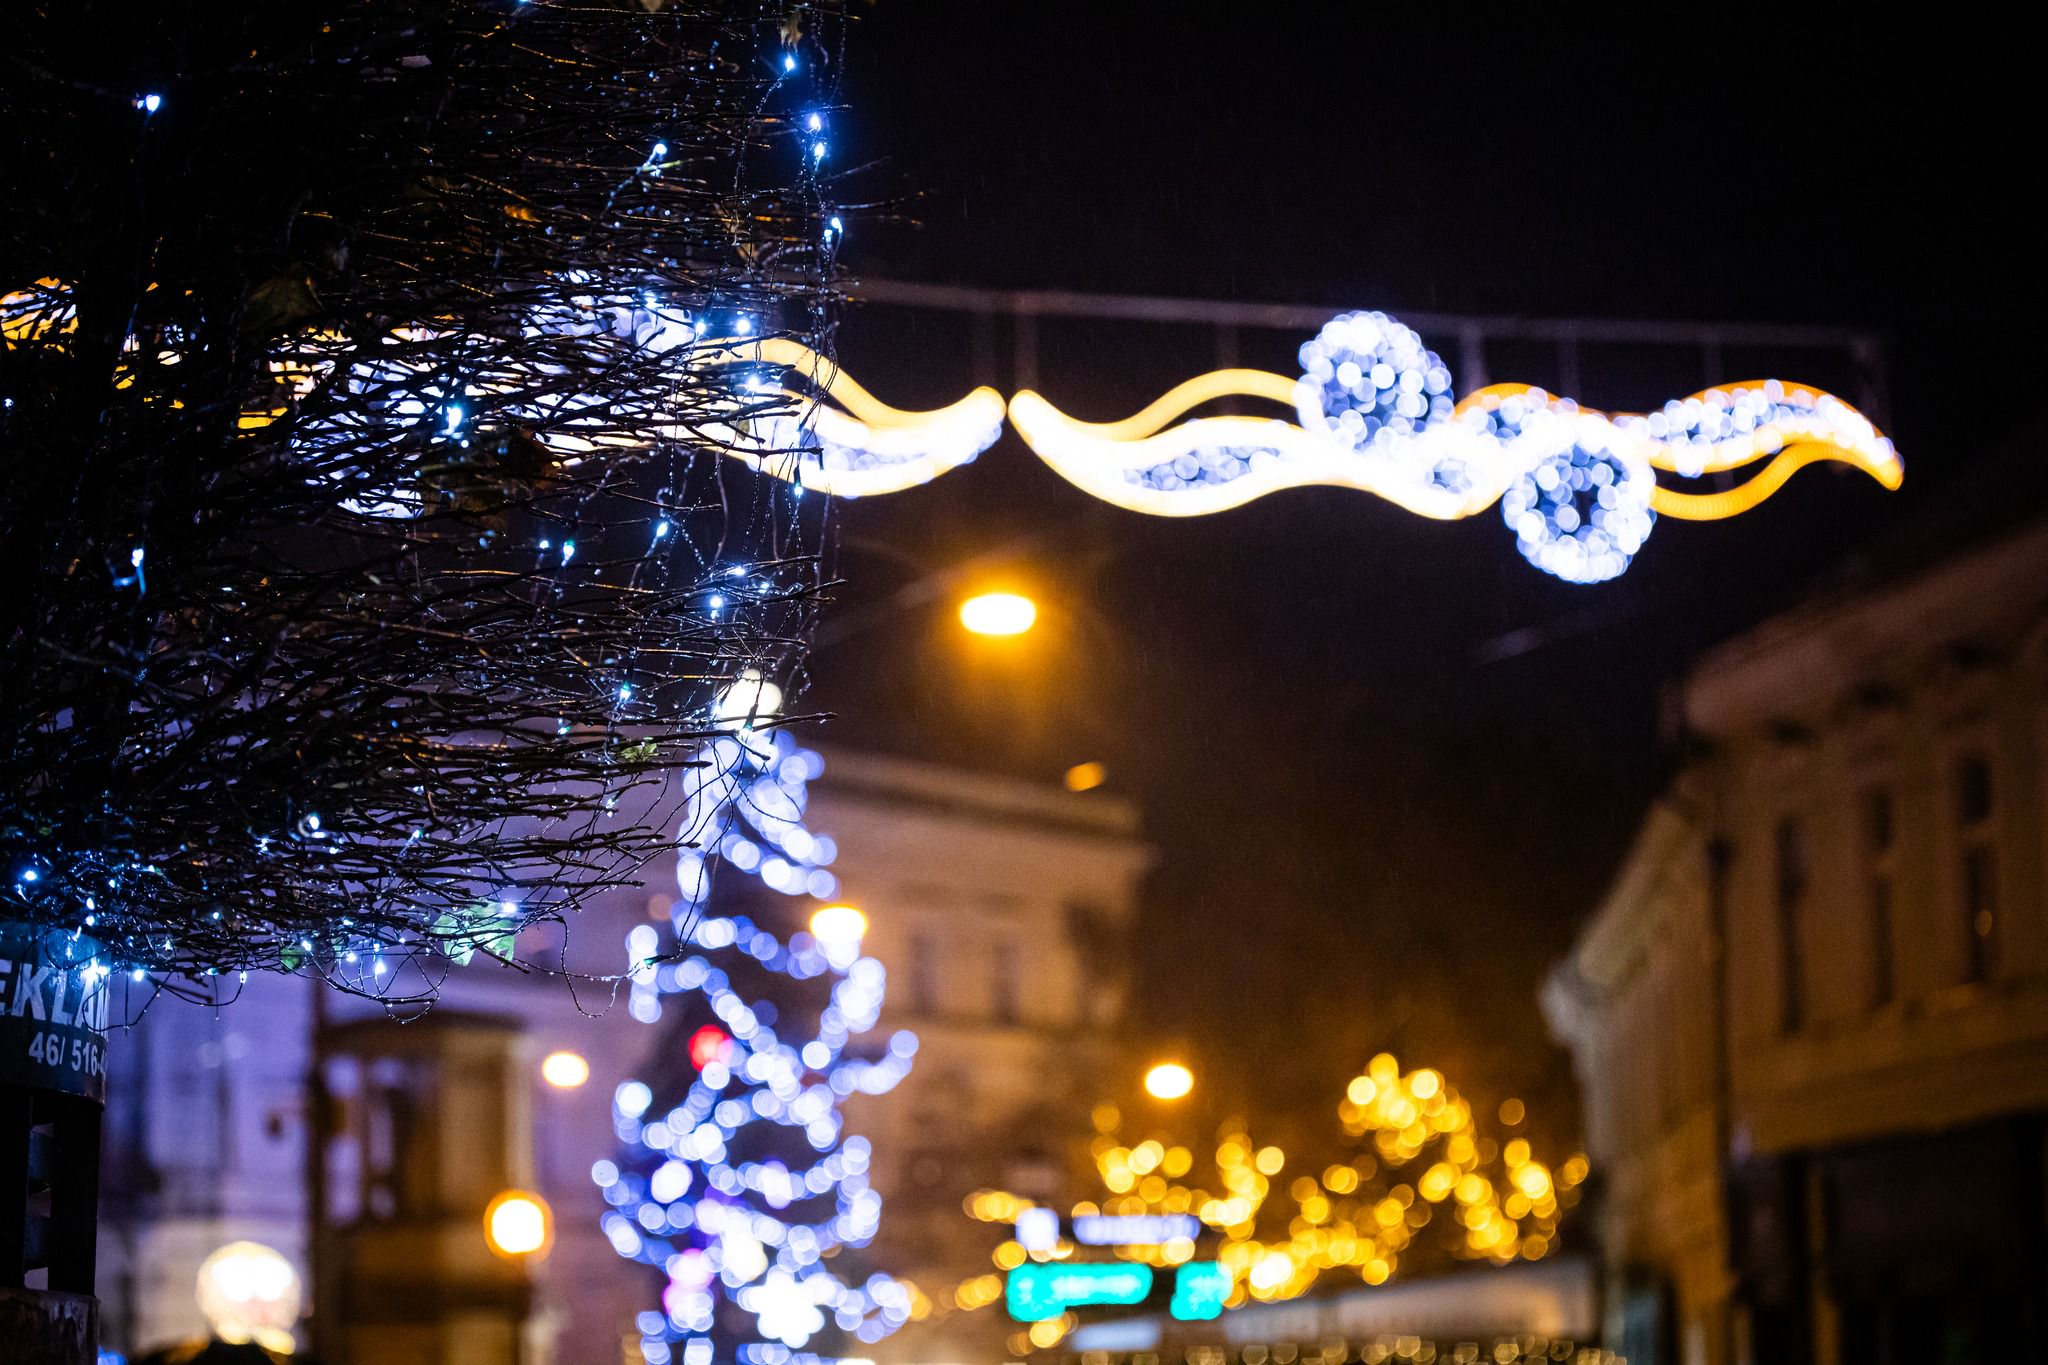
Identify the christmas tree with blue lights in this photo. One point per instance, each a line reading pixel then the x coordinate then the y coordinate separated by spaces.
pixel 736 1177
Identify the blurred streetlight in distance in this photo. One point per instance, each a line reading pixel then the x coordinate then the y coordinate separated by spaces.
pixel 1169 1081
pixel 998 613
pixel 517 1223
pixel 1086 777
pixel 248 1292
pixel 564 1070
pixel 838 925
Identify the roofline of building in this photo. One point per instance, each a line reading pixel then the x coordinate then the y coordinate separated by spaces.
pixel 1624 924
pixel 1794 655
pixel 854 774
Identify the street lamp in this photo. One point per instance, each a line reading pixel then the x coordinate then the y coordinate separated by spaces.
pixel 1169 1081
pixel 248 1292
pixel 564 1070
pixel 517 1223
pixel 998 613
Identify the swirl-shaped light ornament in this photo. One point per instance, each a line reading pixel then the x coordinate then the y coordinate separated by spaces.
pixel 1375 411
pixel 868 447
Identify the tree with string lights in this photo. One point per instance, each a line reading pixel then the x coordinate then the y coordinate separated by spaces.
pixel 369 373
pixel 736 1177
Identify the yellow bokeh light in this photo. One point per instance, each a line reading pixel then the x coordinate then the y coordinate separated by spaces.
pixel 1085 777
pixel 564 1070
pixel 1272 1270
pixel 518 1223
pixel 1359 1214
pixel 838 926
pixel 998 613
pixel 1169 1081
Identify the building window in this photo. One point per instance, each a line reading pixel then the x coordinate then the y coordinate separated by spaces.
pixel 1792 882
pixel 924 972
pixel 1977 855
pixel 1880 859
pixel 1003 984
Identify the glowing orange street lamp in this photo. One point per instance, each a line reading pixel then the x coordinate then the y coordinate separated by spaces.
pixel 1169 1081
pixel 998 613
pixel 518 1224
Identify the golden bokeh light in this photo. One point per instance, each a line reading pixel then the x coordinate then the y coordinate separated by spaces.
pixel 1418 1157
pixel 998 613
pixel 1086 777
pixel 518 1223
pixel 1169 1081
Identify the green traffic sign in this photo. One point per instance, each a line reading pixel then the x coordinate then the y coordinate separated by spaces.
pixel 1199 1290
pixel 1046 1290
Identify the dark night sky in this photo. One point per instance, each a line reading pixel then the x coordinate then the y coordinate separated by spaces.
pixel 1370 835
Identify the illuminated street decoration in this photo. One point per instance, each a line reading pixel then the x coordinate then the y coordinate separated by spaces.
pixel 1373 410
pixel 869 447
pixel 737 1179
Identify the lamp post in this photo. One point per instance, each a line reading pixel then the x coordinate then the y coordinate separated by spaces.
pixel 998 614
pixel 1169 1081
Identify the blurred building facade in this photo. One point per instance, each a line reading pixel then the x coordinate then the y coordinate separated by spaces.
pixel 1810 1019
pixel 997 906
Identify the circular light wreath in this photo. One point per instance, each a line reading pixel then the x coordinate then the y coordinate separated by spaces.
pixel 1582 511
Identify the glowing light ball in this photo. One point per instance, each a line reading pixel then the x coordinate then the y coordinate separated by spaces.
pixel 518 1223
pixel 1368 380
pixel 998 613
pixel 249 1292
pixel 564 1070
pixel 1169 1081
pixel 1583 510
pixel 838 925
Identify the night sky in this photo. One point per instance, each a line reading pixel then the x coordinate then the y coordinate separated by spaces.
pixel 1387 764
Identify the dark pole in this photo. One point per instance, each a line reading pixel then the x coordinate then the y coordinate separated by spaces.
pixel 1720 855
pixel 320 1327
